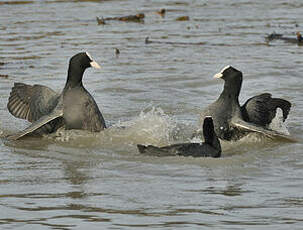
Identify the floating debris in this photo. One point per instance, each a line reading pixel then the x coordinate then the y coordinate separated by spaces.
pixel 3 76
pixel 274 36
pixel 161 12
pixel 148 41
pixel 100 21
pixel 282 26
pixel 16 2
pixel 117 52
pixel 130 18
pixel 182 18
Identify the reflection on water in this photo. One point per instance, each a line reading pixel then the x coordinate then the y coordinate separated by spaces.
pixel 150 94
pixel 73 173
pixel 232 190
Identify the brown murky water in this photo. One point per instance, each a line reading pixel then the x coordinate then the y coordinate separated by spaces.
pixel 150 94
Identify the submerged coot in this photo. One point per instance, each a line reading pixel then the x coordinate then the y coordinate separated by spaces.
pixel 210 148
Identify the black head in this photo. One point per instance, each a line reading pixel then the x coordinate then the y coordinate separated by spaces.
pixel 232 78
pixel 83 60
pixel 77 65
pixel 208 130
pixel 229 73
pixel 210 136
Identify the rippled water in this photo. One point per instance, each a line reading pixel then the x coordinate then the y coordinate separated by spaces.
pixel 150 94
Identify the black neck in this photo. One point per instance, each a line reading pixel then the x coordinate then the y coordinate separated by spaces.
pixel 211 138
pixel 231 89
pixel 74 77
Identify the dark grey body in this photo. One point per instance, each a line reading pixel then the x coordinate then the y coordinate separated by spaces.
pixel 80 110
pixel 184 149
pixel 223 111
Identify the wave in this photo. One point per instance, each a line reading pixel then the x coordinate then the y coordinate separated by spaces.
pixel 150 127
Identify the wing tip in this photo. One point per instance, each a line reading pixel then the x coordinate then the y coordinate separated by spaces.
pixel 17 105
pixel 141 148
pixel 14 137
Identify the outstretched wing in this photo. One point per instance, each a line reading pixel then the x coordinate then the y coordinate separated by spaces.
pixel 245 126
pixel 261 109
pixel 44 120
pixel 31 102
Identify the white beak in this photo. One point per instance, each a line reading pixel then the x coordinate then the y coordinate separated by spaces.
pixel 218 75
pixel 95 65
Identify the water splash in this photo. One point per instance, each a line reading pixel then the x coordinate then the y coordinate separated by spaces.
pixel 156 128
pixel 151 127
pixel 277 124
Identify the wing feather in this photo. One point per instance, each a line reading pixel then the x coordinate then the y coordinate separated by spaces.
pixel 242 125
pixel 31 102
pixel 261 109
pixel 44 120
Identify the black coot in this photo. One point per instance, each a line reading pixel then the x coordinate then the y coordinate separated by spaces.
pixel 74 108
pixel 231 120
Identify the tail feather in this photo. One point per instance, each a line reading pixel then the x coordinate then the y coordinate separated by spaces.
pixel 261 109
pixel 141 148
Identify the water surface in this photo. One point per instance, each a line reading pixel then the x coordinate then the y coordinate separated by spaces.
pixel 150 94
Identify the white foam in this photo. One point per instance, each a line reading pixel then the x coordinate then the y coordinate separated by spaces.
pixel 149 127
pixel 196 140
pixel 277 123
